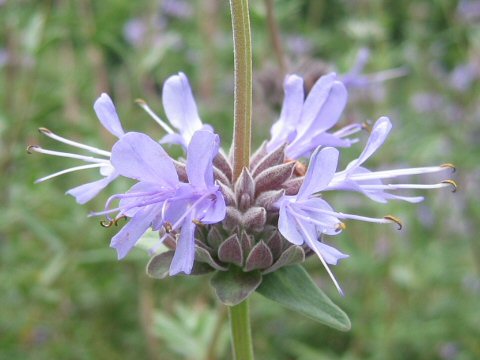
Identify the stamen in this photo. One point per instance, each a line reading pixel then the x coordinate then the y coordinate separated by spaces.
pixel 72 169
pixel 385 174
pixel 395 220
pixel 168 227
pixel 107 223
pixel 50 134
pixel 41 150
pixel 142 103
pixel 198 222
pixel 324 263
pixel 341 226
pixel 118 219
pixel 449 166
pixel 367 126
pixel 452 183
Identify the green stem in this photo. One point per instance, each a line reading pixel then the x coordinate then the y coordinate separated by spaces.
pixel 241 334
pixel 242 54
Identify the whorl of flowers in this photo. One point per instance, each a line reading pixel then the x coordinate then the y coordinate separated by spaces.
pixel 271 216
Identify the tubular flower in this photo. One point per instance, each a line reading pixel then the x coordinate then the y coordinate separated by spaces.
pixel 181 111
pixel 159 199
pixel 356 78
pixel 108 117
pixel 303 123
pixel 357 178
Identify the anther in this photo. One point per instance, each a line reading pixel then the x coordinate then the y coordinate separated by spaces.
pixel 340 226
pixel 198 222
pixel 168 227
pixel 115 222
pixel 452 183
pixel 30 148
pixel 107 223
pixel 395 220
pixel 140 102
pixel 449 166
pixel 367 126
pixel 44 130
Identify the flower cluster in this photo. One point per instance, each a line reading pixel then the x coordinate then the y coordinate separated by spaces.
pixel 271 216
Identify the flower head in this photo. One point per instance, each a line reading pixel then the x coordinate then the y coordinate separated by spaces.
pixel 303 122
pixel 108 117
pixel 160 198
pixel 305 217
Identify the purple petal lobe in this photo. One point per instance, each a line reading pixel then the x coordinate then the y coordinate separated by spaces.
pixel 185 252
pixel 128 236
pixel 86 192
pixel 137 156
pixel 213 210
pixel 321 170
pixel 202 149
pixel 107 115
pixel 290 114
pixel 180 106
pixel 288 227
pixel 379 133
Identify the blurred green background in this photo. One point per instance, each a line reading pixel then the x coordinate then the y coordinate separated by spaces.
pixel 412 294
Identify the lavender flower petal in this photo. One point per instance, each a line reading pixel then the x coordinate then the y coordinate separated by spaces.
pixel 137 156
pixel 128 236
pixel 202 149
pixel 321 170
pixel 284 128
pixel 185 252
pixel 86 192
pixel 180 106
pixel 107 115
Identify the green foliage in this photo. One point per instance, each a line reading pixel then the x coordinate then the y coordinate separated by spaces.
pixel 292 287
pixel 409 294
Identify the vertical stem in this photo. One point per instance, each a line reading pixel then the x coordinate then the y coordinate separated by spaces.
pixel 241 334
pixel 242 53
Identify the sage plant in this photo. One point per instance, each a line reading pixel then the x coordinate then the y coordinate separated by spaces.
pixel 252 220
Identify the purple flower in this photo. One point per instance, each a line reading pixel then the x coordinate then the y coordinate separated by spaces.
pixel 181 111
pixel 305 217
pixel 160 198
pixel 357 178
pixel 108 117
pixel 355 78
pixel 303 123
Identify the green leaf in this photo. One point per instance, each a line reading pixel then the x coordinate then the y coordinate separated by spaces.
pixel 159 265
pixel 234 286
pixel 292 287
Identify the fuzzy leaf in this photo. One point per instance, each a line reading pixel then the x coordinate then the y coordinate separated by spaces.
pixel 259 258
pixel 275 244
pixel 233 218
pixel 234 285
pixel 159 265
pixel 214 238
pixel 293 288
pixel 221 162
pixel 246 241
pixel 231 251
pixel 258 155
pixel 268 198
pixel 255 218
pixel 202 255
pixel 244 186
pixel 293 255
pixel 274 177
pixel 276 157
